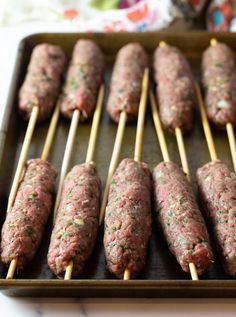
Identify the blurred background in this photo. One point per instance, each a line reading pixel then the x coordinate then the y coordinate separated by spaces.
pixel 122 15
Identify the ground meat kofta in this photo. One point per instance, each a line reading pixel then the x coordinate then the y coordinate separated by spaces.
pixel 180 218
pixel 219 81
pixel 128 218
pixel 175 88
pixel 126 82
pixel 84 77
pixel 42 82
pixel 23 228
pixel 217 188
pixel 75 230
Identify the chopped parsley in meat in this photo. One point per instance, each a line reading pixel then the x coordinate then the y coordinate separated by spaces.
pixel 126 81
pixel 180 217
pixel 83 79
pixel 42 82
pixel 218 194
pixel 76 225
pixel 175 88
pixel 219 81
pixel 128 218
pixel 25 222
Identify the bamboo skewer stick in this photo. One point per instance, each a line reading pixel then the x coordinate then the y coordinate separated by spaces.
pixel 139 133
pixel 166 158
pixel 182 152
pixel 51 133
pixel 159 131
pixel 95 125
pixel 141 117
pixel 23 156
pixel 206 126
pixel 232 144
pixel 114 162
pixel 11 269
pixel 67 156
pixel 229 127
pixel 45 152
pixel 90 153
pixel 69 270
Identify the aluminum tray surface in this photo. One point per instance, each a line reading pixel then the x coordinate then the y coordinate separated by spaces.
pixel 162 276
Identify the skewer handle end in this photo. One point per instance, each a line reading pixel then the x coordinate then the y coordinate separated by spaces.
pixel 11 270
pixel 127 274
pixel 193 272
pixel 69 270
pixel 213 41
pixel 162 43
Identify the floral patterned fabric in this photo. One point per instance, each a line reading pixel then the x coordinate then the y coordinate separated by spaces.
pixel 90 15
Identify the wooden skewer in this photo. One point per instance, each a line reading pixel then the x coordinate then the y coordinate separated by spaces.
pixel 166 158
pixel 139 132
pixel 141 117
pixel 95 125
pixel 69 270
pixel 51 133
pixel 126 275
pixel 23 156
pixel 205 124
pixel 158 127
pixel 229 127
pixel 90 153
pixel 45 152
pixel 11 269
pixel 114 162
pixel 67 156
pixel 232 144
pixel 182 152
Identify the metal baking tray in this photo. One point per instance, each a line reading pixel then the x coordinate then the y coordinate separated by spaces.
pixel 162 276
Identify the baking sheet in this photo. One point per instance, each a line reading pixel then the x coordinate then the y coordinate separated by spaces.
pixel 162 275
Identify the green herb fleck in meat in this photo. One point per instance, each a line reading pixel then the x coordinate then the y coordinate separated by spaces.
pixel 64 235
pixel 82 74
pixel 113 182
pixel 72 83
pixel 139 259
pixel 32 197
pixel 79 222
pixel 69 222
pixel 182 200
pixel 124 248
pixel 220 65
pixel 11 226
pixel 29 230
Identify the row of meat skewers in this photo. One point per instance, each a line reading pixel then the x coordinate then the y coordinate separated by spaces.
pixel 127 196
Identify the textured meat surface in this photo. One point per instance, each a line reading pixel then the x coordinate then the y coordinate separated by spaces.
pixel 42 82
pixel 175 89
pixel 128 218
pixel 126 81
pixel 23 228
pixel 76 225
pixel 219 81
pixel 83 79
pixel 180 218
pixel 217 187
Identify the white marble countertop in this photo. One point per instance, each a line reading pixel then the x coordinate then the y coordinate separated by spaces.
pixel 12 307
pixel 21 307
